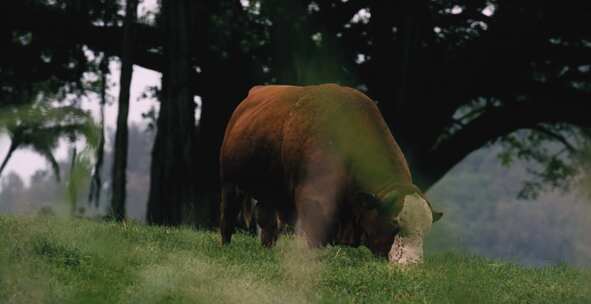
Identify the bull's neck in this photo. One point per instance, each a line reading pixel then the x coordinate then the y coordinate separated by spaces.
pixel 384 179
pixel 388 185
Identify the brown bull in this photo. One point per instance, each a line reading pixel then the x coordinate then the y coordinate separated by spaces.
pixel 322 158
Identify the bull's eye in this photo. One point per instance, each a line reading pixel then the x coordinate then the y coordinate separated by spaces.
pixel 396 224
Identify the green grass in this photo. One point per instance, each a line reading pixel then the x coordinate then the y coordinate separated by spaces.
pixel 49 260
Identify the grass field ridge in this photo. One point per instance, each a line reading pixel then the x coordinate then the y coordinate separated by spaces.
pixel 52 260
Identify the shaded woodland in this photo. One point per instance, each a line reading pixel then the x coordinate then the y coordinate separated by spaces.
pixel 449 77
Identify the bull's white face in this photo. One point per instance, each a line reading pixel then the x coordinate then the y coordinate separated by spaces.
pixel 415 220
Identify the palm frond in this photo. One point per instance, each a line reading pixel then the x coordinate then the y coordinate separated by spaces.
pixel 40 126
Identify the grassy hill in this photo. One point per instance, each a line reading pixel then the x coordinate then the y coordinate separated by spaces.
pixel 49 260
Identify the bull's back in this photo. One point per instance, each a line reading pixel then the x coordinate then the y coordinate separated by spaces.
pixel 275 127
pixel 347 128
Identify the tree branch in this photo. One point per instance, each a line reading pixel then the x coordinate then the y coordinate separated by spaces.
pixel 54 26
pixel 557 136
pixel 500 121
pixel 502 55
pixel 51 24
pixel 11 149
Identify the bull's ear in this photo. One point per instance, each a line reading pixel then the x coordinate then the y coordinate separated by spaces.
pixel 436 215
pixel 367 200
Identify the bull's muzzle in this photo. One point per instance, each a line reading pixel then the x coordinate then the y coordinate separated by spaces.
pixel 415 220
pixel 406 251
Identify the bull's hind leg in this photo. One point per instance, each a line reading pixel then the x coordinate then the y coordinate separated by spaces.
pixel 230 206
pixel 266 218
pixel 247 214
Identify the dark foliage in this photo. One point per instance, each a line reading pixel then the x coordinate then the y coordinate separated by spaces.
pixel 449 76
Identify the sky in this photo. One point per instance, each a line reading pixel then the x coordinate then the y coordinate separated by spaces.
pixel 25 162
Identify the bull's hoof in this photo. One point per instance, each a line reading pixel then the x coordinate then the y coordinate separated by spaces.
pixel 226 239
pixel 268 244
pixel 268 239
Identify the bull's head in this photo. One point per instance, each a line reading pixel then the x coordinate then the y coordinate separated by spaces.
pixel 396 225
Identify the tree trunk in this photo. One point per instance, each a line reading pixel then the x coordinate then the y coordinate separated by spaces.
pixel 172 195
pixel 11 150
pixel 120 159
pixel 94 195
pixel 216 111
pixel 396 27
pixel 217 107
pixel 385 59
pixel 73 181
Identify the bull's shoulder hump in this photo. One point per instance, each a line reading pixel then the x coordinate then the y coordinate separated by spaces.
pixel 342 95
pixel 267 89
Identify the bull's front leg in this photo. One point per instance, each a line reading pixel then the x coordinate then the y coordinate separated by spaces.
pixel 311 223
pixel 314 215
pixel 316 194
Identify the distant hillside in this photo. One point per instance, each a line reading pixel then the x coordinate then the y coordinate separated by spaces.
pixel 483 216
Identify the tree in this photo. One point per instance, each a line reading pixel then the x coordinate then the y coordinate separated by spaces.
pixel 96 182
pixel 35 70
pixel 449 76
pixel 172 193
pixel 585 163
pixel 437 91
pixel 120 164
